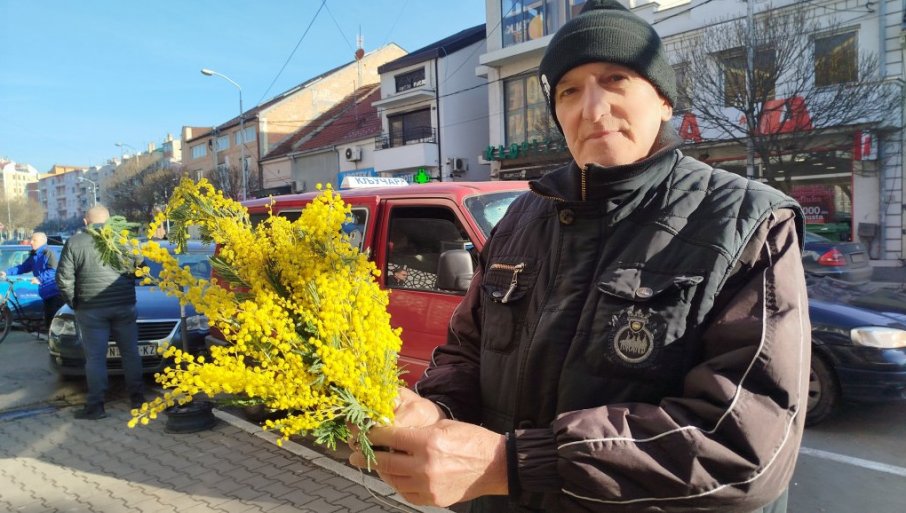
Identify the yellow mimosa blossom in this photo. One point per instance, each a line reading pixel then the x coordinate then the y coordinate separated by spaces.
pixel 306 323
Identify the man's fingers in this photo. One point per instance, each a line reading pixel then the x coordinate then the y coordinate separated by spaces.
pixel 391 466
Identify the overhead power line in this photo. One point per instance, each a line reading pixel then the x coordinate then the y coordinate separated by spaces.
pixel 293 52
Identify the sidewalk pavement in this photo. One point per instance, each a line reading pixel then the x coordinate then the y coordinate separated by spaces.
pixel 50 462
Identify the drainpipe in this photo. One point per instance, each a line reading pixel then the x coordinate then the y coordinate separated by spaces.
pixel 882 167
pixel 440 162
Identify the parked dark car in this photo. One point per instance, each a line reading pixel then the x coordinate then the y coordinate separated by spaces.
pixel 841 260
pixel 158 323
pixel 858 345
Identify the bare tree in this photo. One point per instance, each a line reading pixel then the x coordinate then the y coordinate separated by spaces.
pixel 137 190
pixel 228 178
pixel 20 215
pixel 801 92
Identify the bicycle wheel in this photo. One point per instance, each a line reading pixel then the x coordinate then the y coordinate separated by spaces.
pixel 6 321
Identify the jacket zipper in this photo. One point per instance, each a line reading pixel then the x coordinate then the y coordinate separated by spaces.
pixel 514 282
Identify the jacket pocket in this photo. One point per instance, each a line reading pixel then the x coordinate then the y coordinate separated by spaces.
pixel 640 319
pixel 505 287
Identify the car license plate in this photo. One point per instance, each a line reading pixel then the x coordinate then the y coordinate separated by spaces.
pixel 143 350
pixel 858 258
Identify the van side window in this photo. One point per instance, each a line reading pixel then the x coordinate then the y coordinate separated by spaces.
pixel 417 237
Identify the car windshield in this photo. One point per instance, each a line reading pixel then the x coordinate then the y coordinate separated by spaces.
pixel 10 257
pixel 198 262
pixel 487 209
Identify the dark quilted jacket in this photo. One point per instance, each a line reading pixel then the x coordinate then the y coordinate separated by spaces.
pixel 85 282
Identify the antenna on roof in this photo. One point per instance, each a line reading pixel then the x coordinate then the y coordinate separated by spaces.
pixel 359 53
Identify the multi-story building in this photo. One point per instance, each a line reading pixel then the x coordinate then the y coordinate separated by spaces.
pixel 267 125
pixel 851 176
pixel 61 193
pixel 338 143
pixel 15 177
pixel 433 111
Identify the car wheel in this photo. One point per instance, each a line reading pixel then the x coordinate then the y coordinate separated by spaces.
pixel 823 392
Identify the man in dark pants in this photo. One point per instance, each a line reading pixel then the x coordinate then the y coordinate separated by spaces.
pixel 104 303
pixel 42 263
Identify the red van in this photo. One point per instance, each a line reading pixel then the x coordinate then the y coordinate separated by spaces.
pixel 425 239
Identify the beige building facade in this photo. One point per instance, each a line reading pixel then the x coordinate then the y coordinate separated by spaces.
pixel 267 125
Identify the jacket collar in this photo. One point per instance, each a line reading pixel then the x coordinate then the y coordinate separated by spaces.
pixel 597 183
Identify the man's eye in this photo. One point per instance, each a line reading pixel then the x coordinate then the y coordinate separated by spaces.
pixel 566 92
pixel 617 78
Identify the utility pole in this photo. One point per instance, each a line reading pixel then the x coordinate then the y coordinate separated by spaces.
pixel 750 89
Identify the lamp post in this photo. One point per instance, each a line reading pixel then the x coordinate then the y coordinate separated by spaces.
pixel 243 169
pixel 124 145
pixel 94 188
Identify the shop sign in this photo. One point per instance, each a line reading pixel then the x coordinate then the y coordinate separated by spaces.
pixel 817 202
pixel 780 116
pixel 866 146
pixel 526 149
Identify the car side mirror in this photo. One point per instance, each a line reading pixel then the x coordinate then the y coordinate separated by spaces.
pixel 455 270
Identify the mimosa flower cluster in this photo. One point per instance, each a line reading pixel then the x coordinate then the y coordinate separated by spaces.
pixel 307 326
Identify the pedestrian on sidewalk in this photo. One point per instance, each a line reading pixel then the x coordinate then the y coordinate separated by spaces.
pixel 636 337
pixel 42 263
pixel 104 303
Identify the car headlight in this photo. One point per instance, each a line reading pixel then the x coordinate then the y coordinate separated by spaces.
pixel 63 326
pixel 876 336
pixel 197 323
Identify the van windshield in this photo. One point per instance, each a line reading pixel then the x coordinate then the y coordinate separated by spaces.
pixel 487 209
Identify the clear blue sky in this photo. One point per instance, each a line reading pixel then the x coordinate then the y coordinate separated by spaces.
pixel 77 77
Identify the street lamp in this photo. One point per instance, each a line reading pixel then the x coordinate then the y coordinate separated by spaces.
pixel 124 145
pixel 94 189
pixel 243 168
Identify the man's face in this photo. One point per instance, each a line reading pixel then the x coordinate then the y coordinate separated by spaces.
pixel 610 114
pixel 36 241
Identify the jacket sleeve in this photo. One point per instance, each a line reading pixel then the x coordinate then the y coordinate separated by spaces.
pixel 452 378
pixel 66 280
pixel 729 442
pixel 24 267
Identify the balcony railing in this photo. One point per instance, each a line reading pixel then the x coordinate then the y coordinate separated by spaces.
pixel 415 135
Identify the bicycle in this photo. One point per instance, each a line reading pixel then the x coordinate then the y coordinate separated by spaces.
pixel 9 302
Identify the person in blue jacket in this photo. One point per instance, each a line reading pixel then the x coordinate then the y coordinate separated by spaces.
pixel 42 263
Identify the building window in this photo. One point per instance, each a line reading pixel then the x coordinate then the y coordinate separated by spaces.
pixel 733 68
pixel 222 143
pixel 527 117
pixel 411 127
pixel 249 135
pixel 683 103
pixel 836 59
pixel 199 151
pixel 410 80
pixel 525 20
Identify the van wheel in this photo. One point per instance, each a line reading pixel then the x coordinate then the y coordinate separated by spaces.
pixel 823 392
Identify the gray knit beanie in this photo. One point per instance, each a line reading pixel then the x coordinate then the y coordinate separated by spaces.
pixel 605 31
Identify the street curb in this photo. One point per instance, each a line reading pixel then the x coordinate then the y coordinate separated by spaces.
pixel 377 488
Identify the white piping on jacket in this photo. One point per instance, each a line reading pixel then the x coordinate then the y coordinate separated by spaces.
pixel 739 388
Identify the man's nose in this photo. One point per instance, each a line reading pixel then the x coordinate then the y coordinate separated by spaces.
pixel 595 101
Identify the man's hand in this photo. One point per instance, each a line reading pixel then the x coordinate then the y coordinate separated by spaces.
pixel 440 464
pixel 412 410
pixel 35 281
pixel 2 275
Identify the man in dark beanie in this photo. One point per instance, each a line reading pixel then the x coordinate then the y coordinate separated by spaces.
pixel 636 336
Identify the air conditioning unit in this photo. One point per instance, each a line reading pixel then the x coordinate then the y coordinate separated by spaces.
pixel 298 185
pixel 354 154
pixel 458 164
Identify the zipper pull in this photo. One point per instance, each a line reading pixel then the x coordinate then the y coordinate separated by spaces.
pixel 514 282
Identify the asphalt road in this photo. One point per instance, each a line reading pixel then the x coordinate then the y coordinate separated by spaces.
pixel 853 463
